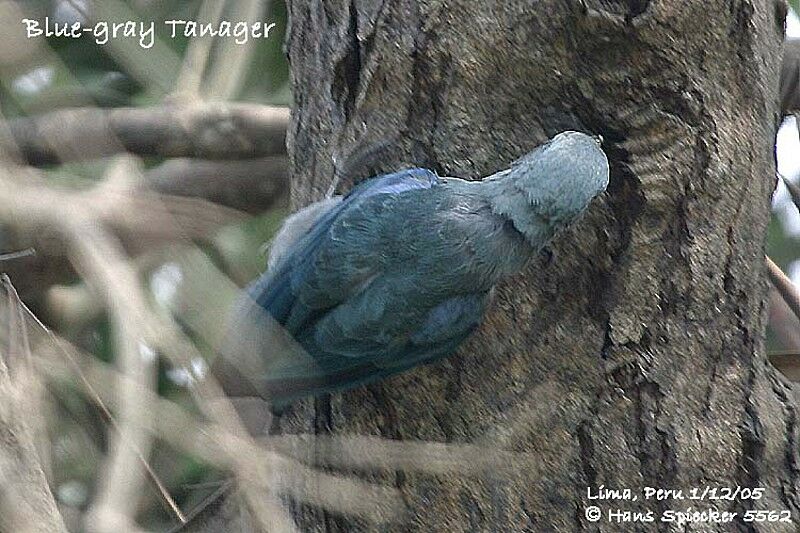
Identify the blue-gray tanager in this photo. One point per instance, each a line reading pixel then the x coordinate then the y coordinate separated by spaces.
pixel 398 272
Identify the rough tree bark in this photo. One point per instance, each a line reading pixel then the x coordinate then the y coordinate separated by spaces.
pixel 645 332
pixel 637 352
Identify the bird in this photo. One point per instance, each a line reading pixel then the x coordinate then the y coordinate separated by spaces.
pixel 398 272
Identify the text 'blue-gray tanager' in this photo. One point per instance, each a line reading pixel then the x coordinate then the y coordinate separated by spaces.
pixel 398 272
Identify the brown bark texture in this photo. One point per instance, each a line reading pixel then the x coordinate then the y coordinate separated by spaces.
pixel 635 357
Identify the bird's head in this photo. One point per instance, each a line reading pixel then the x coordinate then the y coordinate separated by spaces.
pixel 548 188
pixel 562 176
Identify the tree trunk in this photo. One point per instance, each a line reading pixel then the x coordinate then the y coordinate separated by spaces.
pixel 635 357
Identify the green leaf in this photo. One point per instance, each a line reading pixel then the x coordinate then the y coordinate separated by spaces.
pixel 795 5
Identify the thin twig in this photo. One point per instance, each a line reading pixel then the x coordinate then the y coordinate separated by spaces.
pixel 785 286
pixel 89 245
pixel 194 62
pixel 95 397
pixel 25 497
pixel 18 255
pixel 225 78
pixel 213 443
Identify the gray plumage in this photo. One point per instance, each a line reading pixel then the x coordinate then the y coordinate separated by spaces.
pixel 399 271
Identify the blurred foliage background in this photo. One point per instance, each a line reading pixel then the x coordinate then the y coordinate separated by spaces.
pixel 42 75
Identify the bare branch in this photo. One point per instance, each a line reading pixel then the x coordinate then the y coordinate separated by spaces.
pixel 209 130
pixel 143 220
pixel 438 458
pixel 10 256
pixel 197 54
pixel 787 363
pixel 250 185
pixel 226 78
pixel 120 487
pixel 72 358
pixel 785 286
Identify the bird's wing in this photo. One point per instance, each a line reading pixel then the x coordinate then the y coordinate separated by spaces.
pixel 347 358
pixel 261 346
pixel 444 328
pixel 295 226
pixel 302 282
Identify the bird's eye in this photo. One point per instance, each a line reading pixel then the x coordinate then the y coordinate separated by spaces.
pixel 598 139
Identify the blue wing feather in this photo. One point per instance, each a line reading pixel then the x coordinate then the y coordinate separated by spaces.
pixel 327 320
pixel 276 291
